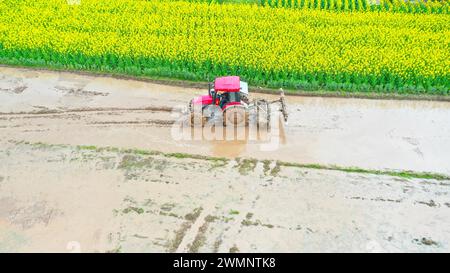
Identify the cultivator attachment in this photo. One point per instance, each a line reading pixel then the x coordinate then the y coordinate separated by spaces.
pixel 262 110
pixel 282 105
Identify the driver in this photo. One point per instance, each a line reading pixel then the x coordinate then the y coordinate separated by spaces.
pixel 223 98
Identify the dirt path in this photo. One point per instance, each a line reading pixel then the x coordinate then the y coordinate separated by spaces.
pixel 49 194
pixel 77 109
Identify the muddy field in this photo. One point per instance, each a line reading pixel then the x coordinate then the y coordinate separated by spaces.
pixel 76 173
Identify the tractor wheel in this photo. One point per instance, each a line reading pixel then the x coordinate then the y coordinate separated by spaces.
pixel 195 118
pixel 235 115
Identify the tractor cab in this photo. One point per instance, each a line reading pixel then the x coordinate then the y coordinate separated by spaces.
pixel 228 91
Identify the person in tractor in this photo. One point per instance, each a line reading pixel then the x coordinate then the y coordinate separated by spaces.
pixel 228 97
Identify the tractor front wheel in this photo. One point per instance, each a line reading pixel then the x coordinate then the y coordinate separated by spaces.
pixel 196 117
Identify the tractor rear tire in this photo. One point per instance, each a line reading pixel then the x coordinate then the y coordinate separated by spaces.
pixel 235 115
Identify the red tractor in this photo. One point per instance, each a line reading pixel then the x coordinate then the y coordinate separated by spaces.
pixel 227 101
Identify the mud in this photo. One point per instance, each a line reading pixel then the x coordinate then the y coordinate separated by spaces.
pixel 159 203
pixel 249 203
pixel 375 134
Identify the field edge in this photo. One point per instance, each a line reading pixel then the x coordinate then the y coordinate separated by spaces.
pixel 254 89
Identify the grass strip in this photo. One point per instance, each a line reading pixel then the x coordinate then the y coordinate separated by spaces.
pixel 407 174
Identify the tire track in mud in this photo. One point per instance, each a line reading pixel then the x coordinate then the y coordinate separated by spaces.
pixel 93 116
pixel 81 110
pixel 147 122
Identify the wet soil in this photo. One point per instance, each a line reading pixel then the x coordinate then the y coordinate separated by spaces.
pixel 49 201
pixel 242 200
pixel 60 107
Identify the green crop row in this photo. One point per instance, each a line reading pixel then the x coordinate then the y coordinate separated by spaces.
pixel 401 6
pixel 305 49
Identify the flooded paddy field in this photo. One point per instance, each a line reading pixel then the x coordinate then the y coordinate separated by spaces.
pixel 93 163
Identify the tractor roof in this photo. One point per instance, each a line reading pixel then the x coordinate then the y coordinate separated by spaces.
pixel 228 84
